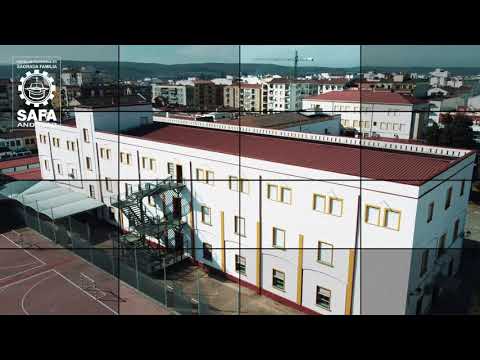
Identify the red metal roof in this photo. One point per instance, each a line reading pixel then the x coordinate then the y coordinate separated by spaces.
pixel 401 167
pixel 7 164
pixel 30 174
pixel 367 97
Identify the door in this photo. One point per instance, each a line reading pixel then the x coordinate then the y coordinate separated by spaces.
pixel 177 208
pixel 179 171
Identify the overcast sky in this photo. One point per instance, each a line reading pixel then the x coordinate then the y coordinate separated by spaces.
pixel 323 55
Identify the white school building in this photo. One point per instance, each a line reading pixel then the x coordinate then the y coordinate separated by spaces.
pixel 294 221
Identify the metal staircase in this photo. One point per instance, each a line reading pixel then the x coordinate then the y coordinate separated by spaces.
pixel 158 235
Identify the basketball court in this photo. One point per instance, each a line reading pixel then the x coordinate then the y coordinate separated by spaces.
pixel 39 278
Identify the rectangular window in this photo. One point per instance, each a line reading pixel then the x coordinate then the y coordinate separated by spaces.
pixel 278 238
pixel 372 215
pixel 449 198
pixel 108 184
pixel 392 219
pixel 153 164
pixel 336 206
pixel 462 188
pixel 325 253
pixel 278 280
pixel 89 163
pixel 286 195
pixel 92 191
pixel 68 145
pixel 244 186
pixel 206 215
pixel 323 298
pixel 320 203
pixel 171 169
pixel 272 192
pixel 59 169
pixel 233 183
pixel 102 153
pixel 144 162
pixel 86 136
pixel 455 229
pixel 424 264
pixel 240 264
pixel 108 153
pixel 442 242
pixel 125 158
pixel 210 177
pixel 239 226
pixel 430 212
pixel 207 251
pixel 201 175
pixel 45 163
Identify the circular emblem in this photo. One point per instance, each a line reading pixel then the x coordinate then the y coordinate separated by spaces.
pixel 36 88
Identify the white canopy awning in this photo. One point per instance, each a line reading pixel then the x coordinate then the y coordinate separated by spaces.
pixel 49 198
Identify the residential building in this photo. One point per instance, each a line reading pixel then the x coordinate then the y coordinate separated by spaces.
pixel 305 222
pixel 244 97
pixel 375 113
pixel 287 94
pixel 173 94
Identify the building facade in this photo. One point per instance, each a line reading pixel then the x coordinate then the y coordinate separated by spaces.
pixel 305 220
pixel 381 113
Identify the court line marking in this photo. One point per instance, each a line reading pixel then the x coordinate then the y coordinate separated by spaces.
pixel 16 266
pixel 2 288
pixel 86 293
pixel 33 287
pixel 28 252
pixel 42 263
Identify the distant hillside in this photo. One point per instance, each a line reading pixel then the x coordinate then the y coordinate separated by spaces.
pixel 134 71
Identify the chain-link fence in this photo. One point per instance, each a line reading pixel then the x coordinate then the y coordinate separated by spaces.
pixel 135 267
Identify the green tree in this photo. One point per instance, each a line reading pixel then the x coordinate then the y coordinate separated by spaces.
pixel 456 132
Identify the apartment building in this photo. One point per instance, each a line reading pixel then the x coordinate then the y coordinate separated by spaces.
pixel 375 113
pixel 174 94
pixel 244 97
pixel 294 220
pixel 287 94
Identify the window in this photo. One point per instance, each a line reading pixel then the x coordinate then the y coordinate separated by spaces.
pixel 125 158
pixel 207 251
pixel 286 195
pixel 201 175
pixel 92 191
pixel 455 229
pixel 449 198
pixel 320 203
pixel 238 185
pixel 144 162
pixel 86 136
pixel 70 145
pixel 272 192
pixel 278 280
pixel 105 153
pixel 323 297
pixel 89 163
pixel 153 164
pixel 462 187
pixel 372 215
pixel 45 163
pixel 336 206
pixel 239 226
pixel 59 169
pixel 108 184
pixel 430 212
pixel 424 264
pixel 441 245
pixel 210 177
pixel 240 264
pixel 206 215
pixel 56 142
pixel 392 219
pixel 325 253
pixel 278 238
pixel 171 169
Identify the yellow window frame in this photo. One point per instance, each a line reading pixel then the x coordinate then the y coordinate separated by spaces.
pixel 367 206
pixel 385 214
